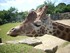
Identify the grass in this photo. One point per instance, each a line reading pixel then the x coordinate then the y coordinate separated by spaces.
pixel 14 48
pixel 18 48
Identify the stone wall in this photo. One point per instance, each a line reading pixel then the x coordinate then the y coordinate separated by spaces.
pixel 60 16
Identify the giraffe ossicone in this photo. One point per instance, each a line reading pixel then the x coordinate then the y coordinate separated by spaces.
pixel 38 23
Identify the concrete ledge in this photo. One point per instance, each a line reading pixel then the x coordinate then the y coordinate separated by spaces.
pixel 31 41
pixel 49 42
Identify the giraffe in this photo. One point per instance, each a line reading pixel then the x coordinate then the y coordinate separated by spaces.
pixel 28 27
pixel 38 23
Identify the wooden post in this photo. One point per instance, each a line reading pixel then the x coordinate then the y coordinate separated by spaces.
pixel 0 40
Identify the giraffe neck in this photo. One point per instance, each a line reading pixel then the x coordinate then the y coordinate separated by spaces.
pixel 60 30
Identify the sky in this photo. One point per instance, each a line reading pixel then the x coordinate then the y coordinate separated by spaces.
pixel 26 5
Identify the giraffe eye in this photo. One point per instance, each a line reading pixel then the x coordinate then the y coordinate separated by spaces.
pixel 36 25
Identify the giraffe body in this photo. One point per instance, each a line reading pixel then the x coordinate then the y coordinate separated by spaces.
pixel 61 31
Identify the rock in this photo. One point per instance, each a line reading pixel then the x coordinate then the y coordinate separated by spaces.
pixel 49 42
pixel 2 43
pixel 64 49
pixel 46 48
pixel 31 41
pixel 12 42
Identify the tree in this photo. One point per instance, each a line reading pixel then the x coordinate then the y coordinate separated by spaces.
pixel 12 14
pixel 25 14
pixel 21 16
pixel 8 15
pixel 3 17
pixel 60 8
pixel 67 9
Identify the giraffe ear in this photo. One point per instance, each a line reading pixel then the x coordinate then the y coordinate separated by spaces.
pixel 31 16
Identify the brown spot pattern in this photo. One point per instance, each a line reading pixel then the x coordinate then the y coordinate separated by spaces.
pixel 61 28
pixel 54 27
pixel 58 32
pixel 67 30
pixel 62 31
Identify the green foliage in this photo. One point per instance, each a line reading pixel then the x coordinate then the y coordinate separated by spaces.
pixel 23 14
pixel 18 48
pixel 60 8
pixel 3 17
pixel 67 9
pixel 12 15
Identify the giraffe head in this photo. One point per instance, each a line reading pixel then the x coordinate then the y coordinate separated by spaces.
pixel 25 27
pixel 34 24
